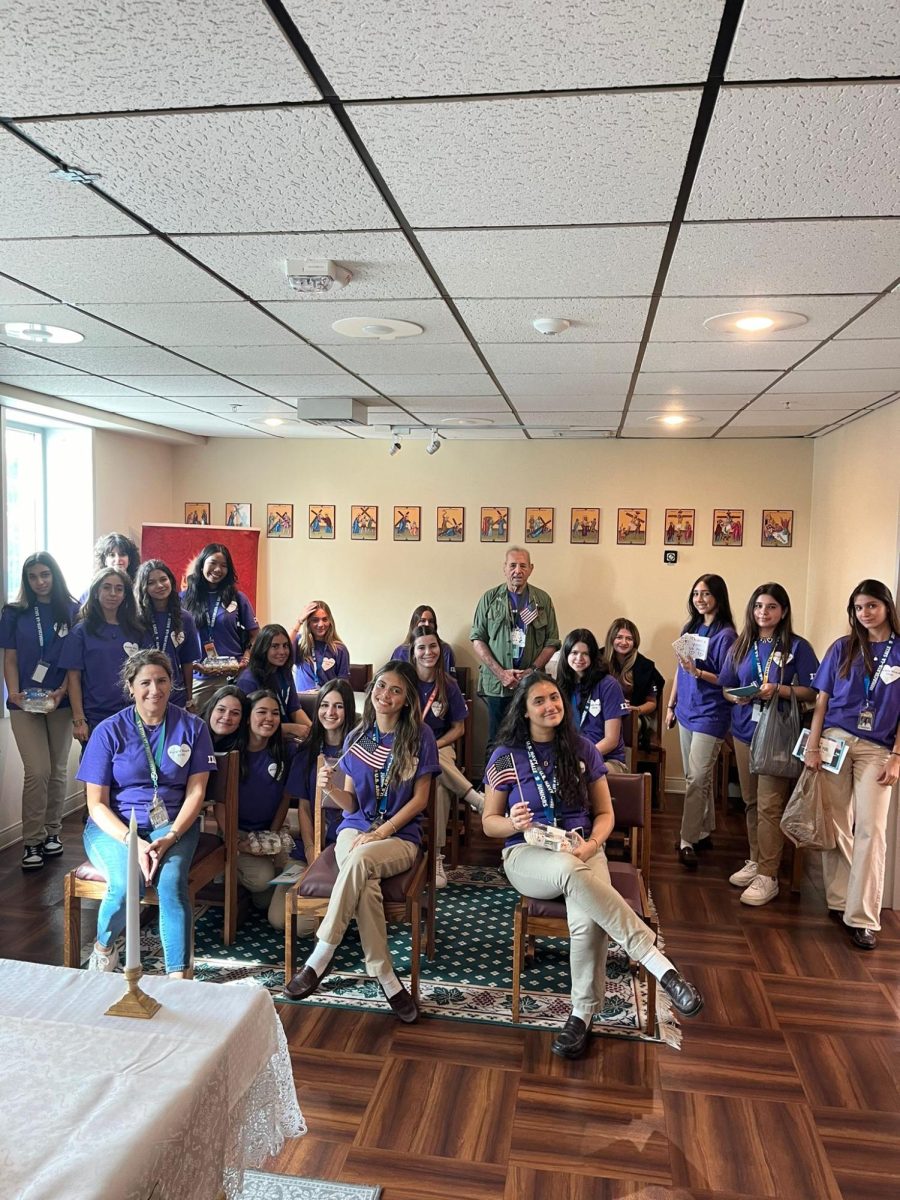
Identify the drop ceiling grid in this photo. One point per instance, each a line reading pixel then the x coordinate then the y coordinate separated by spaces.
pixel 605 270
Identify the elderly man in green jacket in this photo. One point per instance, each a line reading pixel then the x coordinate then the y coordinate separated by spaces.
pixel 514 631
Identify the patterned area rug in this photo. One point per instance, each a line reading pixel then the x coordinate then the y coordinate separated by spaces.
pixel 470 978
pixel 260 1186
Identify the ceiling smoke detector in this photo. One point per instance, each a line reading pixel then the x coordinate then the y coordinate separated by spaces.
pixel 315 274
pixel 551 325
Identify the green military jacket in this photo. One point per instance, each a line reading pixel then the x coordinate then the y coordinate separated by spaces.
pixel 493 624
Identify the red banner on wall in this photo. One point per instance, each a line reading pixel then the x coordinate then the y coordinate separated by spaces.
pixel 176 545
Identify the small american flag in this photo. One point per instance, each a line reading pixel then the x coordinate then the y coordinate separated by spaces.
pixel 501 772
pixel 528 612
pixel 368 751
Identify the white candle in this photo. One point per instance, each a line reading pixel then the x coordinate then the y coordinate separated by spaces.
pixel 133 901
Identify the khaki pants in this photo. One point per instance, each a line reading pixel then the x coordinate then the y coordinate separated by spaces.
pixel 764 799
pixel 357 893
pixel 699 752
pixel 254 871
pixel 44 741
pixel 451 782
pixel 594 909
pixel 615 767
pixel 854 870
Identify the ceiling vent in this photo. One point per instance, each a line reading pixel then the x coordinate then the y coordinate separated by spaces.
pixel 332 410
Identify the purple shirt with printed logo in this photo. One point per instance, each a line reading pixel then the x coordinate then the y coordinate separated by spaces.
pixel 800 668
pixel 440 717
pixel 847 697
pixel 401 654
pixel 329 662
pixel 100 658
pixel 230 634
pixel 279 682
pixel 19 632
pixel 363 777
pixel 700 706
pixel 606 702
pixel 261 793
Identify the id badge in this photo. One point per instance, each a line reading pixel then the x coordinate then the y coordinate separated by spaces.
pixel 209 649
pixel 518 638
pixel 39 674
pixel 756 712
pixel 157 813
pixel 866 720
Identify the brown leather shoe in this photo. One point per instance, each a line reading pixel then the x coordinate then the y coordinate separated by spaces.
pixel 865 939
pixel 304 983
pixel 402 1005
pixel 572 1039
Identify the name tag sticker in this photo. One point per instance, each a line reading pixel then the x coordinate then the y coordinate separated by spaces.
pixel 39 674
pixel 756 713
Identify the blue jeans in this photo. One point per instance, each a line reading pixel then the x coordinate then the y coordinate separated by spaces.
pixel 110 856
pixel 496 706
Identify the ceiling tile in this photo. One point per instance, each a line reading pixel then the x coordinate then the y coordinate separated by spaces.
pixel 807 39
pixel 141 55
pixel 506 433
pixel 853 355
pixel 238 406
pixel 109 270
pixel 532 262
pixel 302 429
pixel 882 320
pixel 570 393
pixel 684 403
pixel 565 160
pixel 768 258
pixel 763 431
pixel 118 360
pixel 140 407
pixel 737 355
pixel 436 385
pixel 800 152
pixel 12 292
pixel 383 264
pixel 607 418
pixel 810 380
pixel 172 386
pixel 227 323
pixel 459 404
pixel 472 47
pixel 289 387
pixel 805 419
pixel 804 401
pixel 699 383
pixel 34 204
pixel 295 359
pixel 95 333
pixel 494 414
pixel 226 172
pixel 555 358
pixel 72 387
pixel 681 320
pixel 18 362
pixel 590 320
pixel 403 358
pixel 315 320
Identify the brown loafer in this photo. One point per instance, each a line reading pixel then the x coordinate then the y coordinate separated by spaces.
pixel 402 1005
pixel 304 983
pixel 865 939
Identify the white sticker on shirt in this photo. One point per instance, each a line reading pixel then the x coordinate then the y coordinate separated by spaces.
pixel 327 664
pixel 130 648
pixel 776 658
pixel 437 708
pixel 61 630
pixel 272 768
pixel 889 674
pixel 232 607
pixel 177 638
pixel 181 755
pixel 594 707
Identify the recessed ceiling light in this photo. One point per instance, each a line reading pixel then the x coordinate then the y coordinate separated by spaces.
pixel 759 320
pixel 383 329
pixel 467 421
pixel 273 421
pixel 673 419
pixel 47 335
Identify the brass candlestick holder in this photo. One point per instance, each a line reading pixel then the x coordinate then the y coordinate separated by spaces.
pixel 135 1003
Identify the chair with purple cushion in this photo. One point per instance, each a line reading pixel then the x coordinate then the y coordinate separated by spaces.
pixel 216 855
pixel 631 795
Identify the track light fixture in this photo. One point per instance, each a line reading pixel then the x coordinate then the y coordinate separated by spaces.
pixel 434 445
pixel 396 445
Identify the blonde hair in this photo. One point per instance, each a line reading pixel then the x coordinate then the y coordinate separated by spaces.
pixel 306 643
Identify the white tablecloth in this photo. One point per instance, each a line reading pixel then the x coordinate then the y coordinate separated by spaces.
pixel 113 1108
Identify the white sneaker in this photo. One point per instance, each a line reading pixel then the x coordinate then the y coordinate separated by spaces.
pixel 103 962
pixel 440 875
pixel 760 890
pixel 745 875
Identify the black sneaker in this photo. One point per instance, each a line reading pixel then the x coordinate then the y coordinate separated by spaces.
pixel 33 857
pixel 52 845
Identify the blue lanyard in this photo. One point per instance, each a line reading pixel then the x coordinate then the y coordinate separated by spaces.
pixel 40 631
pixel 546 785
pixel 381 788
pixel 318 655
pixel 869 683
pixel 164 645
pixel 215 612
pixel 762 677
pixel 583 708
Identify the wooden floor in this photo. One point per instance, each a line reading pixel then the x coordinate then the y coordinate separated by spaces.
pixel 787 1085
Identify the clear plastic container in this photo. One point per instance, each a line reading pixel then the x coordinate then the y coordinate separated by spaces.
pixel 37 700
pixel 548 837
pixel 222 664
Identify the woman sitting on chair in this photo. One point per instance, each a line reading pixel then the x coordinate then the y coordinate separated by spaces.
pixel 542 770
pixel 636 674
pixel 226 718
pixel 596 698
pixel 319 653
pixel 270 667
pixel 387 763
pixel 424 614
pixel 153 759
pixel 333 719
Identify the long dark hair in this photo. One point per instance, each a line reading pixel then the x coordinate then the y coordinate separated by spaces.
pixel 145 604
pixel 416 622
pixel 722 618
pixel 783 635
pixel 61 602
pixel 127 615
pixel 275 745
pixel 858 641
pixel 568 681
pixel 625 672
pixel 196 589
pixel 259 666
pixel 116 543
pixel 315 743
pixel 409 727
pixel 230 741
pixel 440 671
pixel 515 731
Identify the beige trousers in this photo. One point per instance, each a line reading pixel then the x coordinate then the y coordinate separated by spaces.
pixel 594 910
pixel 699 752
pixel 357 893
pixel 451 782
pixel 615 767
pixel 854 870
pixel 254 871
pixel 764 799
pixel 44 741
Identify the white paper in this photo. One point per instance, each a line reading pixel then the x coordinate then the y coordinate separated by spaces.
pixel 691 646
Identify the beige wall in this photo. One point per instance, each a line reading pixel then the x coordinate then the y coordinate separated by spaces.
pixel 133 482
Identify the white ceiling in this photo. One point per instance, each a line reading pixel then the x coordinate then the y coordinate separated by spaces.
pixel 634 169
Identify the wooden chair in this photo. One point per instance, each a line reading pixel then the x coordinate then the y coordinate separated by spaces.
pixel 405 897
pixel 723 774
pixel 460 811
pixel 653 753
pixel 547 918
pixel 214 856
pixel 360 676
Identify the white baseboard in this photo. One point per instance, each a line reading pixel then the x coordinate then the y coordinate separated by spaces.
pixel 676 783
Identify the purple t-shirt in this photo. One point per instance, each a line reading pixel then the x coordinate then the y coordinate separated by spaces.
pixel 590 713
pixel 302 784
pixel 700 706
pixel 100 658
pixel 509 770
pixel 848 696
pixel 115 758
pixel 328 662
pixel 800 668
pixel 278 682
pixel 360 748
pixel 401 654
pixel 182 648
pixel 261 793
pixel 228 628
pixel 440 717
pixel 19 632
